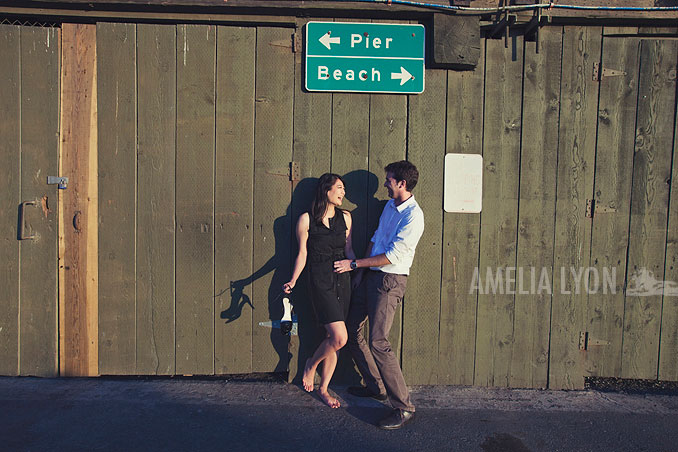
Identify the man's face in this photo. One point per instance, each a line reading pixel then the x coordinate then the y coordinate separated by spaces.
pixel 393 187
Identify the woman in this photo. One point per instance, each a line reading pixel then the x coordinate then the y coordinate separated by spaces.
pixel 324 236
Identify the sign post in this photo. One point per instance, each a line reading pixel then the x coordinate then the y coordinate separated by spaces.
pixel 364 57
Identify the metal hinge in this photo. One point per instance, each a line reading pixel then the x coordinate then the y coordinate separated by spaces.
pixel 592 208
pixel 296 42
pixel 599 74
pixel 62 182
pixel 586 341
pixel 293 172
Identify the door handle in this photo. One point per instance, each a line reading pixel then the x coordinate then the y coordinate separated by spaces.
pixel 22 224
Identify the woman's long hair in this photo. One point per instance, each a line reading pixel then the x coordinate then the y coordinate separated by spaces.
pixel 320 202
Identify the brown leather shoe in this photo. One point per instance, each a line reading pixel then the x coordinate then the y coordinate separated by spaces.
pixel 362 391
pixel 396 419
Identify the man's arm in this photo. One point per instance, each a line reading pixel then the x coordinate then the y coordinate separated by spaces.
pixel 375 261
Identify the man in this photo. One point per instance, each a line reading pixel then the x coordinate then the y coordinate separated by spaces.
pixel 382 286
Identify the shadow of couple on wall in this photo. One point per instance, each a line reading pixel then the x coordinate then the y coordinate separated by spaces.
pixel 361 187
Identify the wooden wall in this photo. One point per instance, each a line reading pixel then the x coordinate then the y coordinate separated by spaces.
pixel 198 125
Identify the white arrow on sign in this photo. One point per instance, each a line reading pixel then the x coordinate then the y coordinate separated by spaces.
pixel 326 40
pixel 403 75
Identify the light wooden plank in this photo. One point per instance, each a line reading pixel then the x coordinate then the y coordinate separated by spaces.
pixel 39 158
pixel 668 357
pixel 236 51
pixel 613 172
pixel 10 193
pixel 501 137
pixel 117 164
pixel 196 49
pixel 649 206
pixel 536 212
pixel 461 233
pixel 272 194
pixel 572 238
pixel 156 160
pixel 421 311
pixel 313 152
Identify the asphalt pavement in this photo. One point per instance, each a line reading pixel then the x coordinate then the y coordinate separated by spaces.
pixel 104 414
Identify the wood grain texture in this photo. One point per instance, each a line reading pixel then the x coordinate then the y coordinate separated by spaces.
pixel 117 165
pixel 10 196
pixel 461 233
pixel 572 238
pixel 196 49
pixel 612 191
pixel 312 150
pixel 79 306
pixel 273 135
pixel 234 187
pixel 156 160
pixel 649 205
pixel 501 154
pixel 536 211
pixel 426 149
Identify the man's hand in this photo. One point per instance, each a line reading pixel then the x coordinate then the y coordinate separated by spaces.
pixel 342 266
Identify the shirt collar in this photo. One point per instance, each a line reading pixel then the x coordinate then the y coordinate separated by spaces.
pixel 405 205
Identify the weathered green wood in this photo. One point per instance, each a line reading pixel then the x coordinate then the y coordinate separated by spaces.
pixel 156 159
pixel 572 238
pixel 39 158
pixel 668 357
pixel 536 211
pixel 426 149
pixel 272 193
pixel 196 49
pixel 612 189
pixel 501 152
pixel 649 205
pixel 236 51
pixel 10 192
pixel 461 233
pixel 117 163
pixel 312 150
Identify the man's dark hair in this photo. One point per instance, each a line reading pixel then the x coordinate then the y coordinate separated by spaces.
pixel 404 170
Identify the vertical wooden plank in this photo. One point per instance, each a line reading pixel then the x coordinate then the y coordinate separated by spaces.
pixel 117 164
pixel 426 149
pixel 649 207
pixel 156 159
pixel 312 150
pixel 668 349
pixel 613 173
pixel 572 238
pixel 78 247
pixel 196 48
pixel 501 137
pixel 536 212
pixel 461 233
pixel 272 193
pixel 10 192
pixel 39 158
pixel 236 51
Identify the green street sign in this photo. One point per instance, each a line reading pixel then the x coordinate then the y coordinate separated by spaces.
pixel 364 57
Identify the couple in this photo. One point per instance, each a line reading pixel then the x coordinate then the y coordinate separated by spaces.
pixel 324 236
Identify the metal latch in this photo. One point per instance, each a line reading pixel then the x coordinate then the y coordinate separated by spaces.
pixel 62 182
pixel 293 172
pixel 598 75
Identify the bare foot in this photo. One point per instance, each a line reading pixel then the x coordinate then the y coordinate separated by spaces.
pixel 309 374
pixel 328 399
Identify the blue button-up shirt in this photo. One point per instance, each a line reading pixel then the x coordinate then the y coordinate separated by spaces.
pixel 399 231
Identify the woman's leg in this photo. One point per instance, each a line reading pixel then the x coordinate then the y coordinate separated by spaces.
pixel 329 364
pixel 335 340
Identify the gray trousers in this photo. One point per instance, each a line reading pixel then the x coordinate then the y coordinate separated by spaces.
pixel 377 298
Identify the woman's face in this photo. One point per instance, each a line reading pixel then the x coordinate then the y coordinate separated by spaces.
pixel 336 194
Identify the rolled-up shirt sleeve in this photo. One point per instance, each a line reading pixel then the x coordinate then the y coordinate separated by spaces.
pixel 405 240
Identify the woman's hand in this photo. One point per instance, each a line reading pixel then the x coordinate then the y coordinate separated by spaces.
pixel 288 286
pixel 357 278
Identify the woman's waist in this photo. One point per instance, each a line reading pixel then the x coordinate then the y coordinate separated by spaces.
pixel 326 256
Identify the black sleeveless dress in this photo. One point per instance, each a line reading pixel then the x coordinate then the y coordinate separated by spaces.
pixel 330 291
